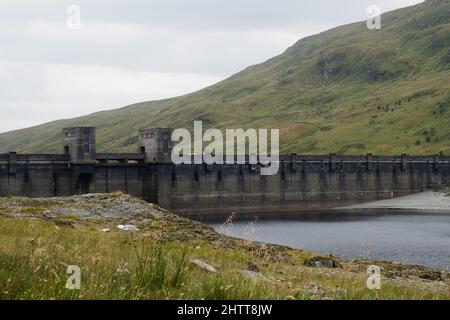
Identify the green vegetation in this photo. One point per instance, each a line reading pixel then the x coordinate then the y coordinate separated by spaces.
pixel 349 90
pixel 155 262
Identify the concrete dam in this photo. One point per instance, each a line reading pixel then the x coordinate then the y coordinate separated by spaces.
pixel 303 183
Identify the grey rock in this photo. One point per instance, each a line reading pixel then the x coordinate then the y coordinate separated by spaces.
pixel 322 262
pixel 204 266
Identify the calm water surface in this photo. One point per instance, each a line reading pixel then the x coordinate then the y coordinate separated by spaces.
pixel 422 239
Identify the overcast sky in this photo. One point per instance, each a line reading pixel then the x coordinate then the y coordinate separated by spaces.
pixel 139 50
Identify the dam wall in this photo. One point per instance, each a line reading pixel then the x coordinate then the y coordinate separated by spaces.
pixel 303 183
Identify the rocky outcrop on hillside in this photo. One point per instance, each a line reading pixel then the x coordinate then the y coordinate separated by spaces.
pixel 109 211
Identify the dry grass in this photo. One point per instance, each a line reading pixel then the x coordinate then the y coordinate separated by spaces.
pixel 34 255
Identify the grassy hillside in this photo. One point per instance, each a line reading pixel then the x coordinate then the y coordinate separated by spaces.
pixel 349 90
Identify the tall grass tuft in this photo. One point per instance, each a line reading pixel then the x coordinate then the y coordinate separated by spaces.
pixel 158 267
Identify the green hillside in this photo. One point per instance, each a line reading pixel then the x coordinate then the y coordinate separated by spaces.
pixel 348 90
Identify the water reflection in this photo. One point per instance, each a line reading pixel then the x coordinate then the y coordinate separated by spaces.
pixel 417 238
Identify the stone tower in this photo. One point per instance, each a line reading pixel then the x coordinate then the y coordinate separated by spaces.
pixel 156 143
pixel 79 143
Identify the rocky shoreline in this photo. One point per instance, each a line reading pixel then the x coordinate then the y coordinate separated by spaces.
pixel 317 276
pixel 106 212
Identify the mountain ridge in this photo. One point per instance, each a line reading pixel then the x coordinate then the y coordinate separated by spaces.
pixel 347 90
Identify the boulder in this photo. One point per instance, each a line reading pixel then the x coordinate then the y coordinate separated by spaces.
pixel 204 266
pixel 322 262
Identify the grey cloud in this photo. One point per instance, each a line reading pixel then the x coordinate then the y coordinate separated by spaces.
pixel 199 14
pixel 143 49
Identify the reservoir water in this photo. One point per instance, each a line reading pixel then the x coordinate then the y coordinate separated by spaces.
pixel 416 238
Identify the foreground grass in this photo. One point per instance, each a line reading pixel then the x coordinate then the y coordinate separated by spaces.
pixel 34 255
